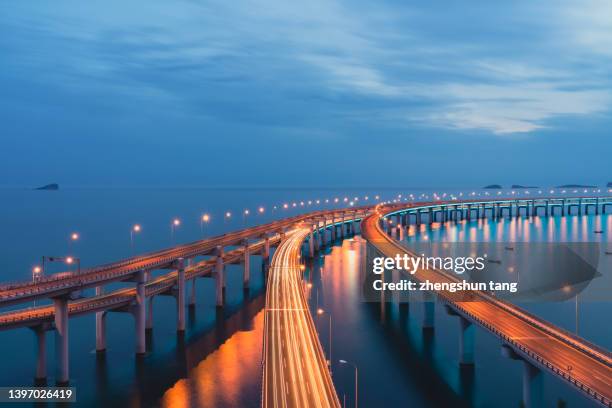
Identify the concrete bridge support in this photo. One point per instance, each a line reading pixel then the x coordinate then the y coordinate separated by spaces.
pixel 192 294
pixel 149 321
pixel 532 379
pixel 61 340
pixel 220 273
pixel 100 325
pixel 428 311
pixel 246 265
pixel 139 313
pixel 266 250
pixel 311 244
pixel 41 355
pixel 466 342
pixel 333 229
pixel 180 296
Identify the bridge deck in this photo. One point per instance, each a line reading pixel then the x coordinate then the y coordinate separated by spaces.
pixel 296 373
pixel 540 341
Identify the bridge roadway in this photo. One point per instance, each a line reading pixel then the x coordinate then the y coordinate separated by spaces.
pixel 295 371
pixel 122 298
pixel 532 339
pixel 63 284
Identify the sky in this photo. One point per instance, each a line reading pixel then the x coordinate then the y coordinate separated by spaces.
pixel 307 94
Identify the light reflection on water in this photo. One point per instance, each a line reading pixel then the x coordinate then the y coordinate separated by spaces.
pixel 402 364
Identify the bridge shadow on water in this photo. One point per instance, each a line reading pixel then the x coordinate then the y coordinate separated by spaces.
pixel 155 374
pixel 418 359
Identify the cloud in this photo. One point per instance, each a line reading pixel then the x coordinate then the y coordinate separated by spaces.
pixel 259 61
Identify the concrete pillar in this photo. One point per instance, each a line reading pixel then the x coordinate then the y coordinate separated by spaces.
pixel 311 248
pixel 100 325
pixel 428 311
pixel 149 322
pixel 323 233
pixel 180 297
pixel 61 341
pixel 333 229
pixel 532 386
pixel 466 342
pixel 246 263
pixel 220 274
pixel 266 250
pixel 140 313
pixel 192 295
pixel 41 355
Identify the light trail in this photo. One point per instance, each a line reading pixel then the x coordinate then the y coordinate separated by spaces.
pixel 296 373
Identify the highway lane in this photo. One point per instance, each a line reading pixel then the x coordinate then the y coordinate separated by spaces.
pixel 295 372
pixel 551 347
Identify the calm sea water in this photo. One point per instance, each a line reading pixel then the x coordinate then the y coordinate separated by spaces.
pixel 218 362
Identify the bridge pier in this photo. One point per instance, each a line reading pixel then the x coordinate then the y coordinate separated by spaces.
pixel 311 248
pixel 266 250
pixel 466 342
pixel 100 325
pixel 428 311
pixel 149 321
pixel 139 313
pixel 41 355
pixel 466 337
pixel 61 340
pixel 219 273
pixel 180 296
pixel 192 294
pixel 246 265
pixel 532 379
pixel 333 229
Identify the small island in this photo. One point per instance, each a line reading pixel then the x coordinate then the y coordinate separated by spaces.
pixel 575 186
pixel 52 186
pixel 521 186
pixel 609 185
pixel 493 186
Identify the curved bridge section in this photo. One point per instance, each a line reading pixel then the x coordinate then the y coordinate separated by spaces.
pixel 538 343
pixel 295 371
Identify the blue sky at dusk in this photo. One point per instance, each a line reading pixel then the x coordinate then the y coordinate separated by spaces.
pixel 317 93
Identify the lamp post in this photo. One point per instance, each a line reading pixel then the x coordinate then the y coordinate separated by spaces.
pixel 205 218
pixel 329 341
pixel 67 259
pixel 134 230
pixel 175 223
pixel 36 275
pixel 356 380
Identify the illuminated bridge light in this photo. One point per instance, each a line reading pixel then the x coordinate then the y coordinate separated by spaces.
pixel 176 222
pixel 261 210
pixel 74 236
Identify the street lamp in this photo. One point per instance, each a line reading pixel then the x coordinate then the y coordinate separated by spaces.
pixel 134 230
pixel 356 380
pixel 175 223
pixel 205 218
pixel 319 313
pixel 66 259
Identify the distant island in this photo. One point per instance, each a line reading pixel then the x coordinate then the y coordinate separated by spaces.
pixel 52 186
pixel 575 186
pixel 609 184
pixel 493 186
pixel 520 186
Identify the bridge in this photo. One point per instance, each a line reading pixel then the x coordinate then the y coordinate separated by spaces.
pixel 540 345
pixel 181 264
pixel 295 370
